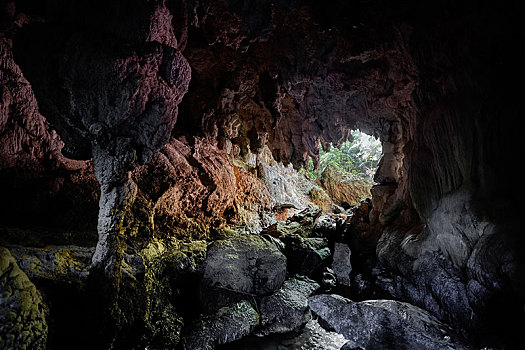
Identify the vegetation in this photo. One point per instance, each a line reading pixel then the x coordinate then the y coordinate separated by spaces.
pixel 357 158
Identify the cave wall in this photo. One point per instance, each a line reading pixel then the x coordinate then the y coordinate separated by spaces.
pixel 459 162
pixel 39 184
pixel 431 80
pixel 256 79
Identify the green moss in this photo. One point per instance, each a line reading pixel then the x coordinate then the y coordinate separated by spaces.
pixel 22 309
pixel 222 233
pixel 162 320
pixel 241 164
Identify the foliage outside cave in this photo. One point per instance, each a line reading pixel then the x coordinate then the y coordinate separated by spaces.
pixel 356 159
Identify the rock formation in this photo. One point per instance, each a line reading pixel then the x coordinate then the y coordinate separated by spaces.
pixel 246 265
pixel 157 123
pixel 114 98
pixel 376 324
pixel 23 313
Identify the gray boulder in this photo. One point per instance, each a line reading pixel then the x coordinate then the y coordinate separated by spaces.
pixel 326 226
pixel 287 309
pixel 341 264
pixel 384 324
pixel 249 264
pixel 311 337
pixel 226 325
pixel 241 268
pixel 328 279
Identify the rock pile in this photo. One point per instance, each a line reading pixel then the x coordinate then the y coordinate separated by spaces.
pixel 292 260
pixel 298 274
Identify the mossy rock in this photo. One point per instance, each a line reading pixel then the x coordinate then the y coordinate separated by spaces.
pixel 22 310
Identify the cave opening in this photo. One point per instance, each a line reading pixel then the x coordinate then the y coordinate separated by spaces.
pixel 346 172
pixel 358 156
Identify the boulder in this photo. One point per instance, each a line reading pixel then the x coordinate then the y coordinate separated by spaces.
pixel 325 226
pixel 311 336
pixel 349 345
pixel 341 264
pixel 384 324
pixel 282 228
pixel 307 218
pixel 328 278
pixel 305 255
pixel 301 223
pixel 226 325
pixel 242 267
pixel 287 309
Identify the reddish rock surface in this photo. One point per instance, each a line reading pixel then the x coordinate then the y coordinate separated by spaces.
pixel 40 187
pixel 193 189
pixel 344 189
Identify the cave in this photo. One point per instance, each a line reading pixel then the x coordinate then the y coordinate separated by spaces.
pixel 153 192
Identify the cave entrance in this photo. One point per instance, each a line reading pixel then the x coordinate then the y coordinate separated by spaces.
pixel 346 173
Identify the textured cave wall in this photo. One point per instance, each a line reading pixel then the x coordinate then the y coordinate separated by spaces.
pixel 192 190
pixel 37 181
pixel 295 83
pixel 432 80
pixel 466 262
pixel 256 80
pixel 111 89
pixel 299 74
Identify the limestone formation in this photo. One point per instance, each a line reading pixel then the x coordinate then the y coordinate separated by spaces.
pixel 102 130
pixel 342 188
pixel 22 311
pixel 122 111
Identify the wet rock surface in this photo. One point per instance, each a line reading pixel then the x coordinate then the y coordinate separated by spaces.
pixel 384 324
pixel 312 336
